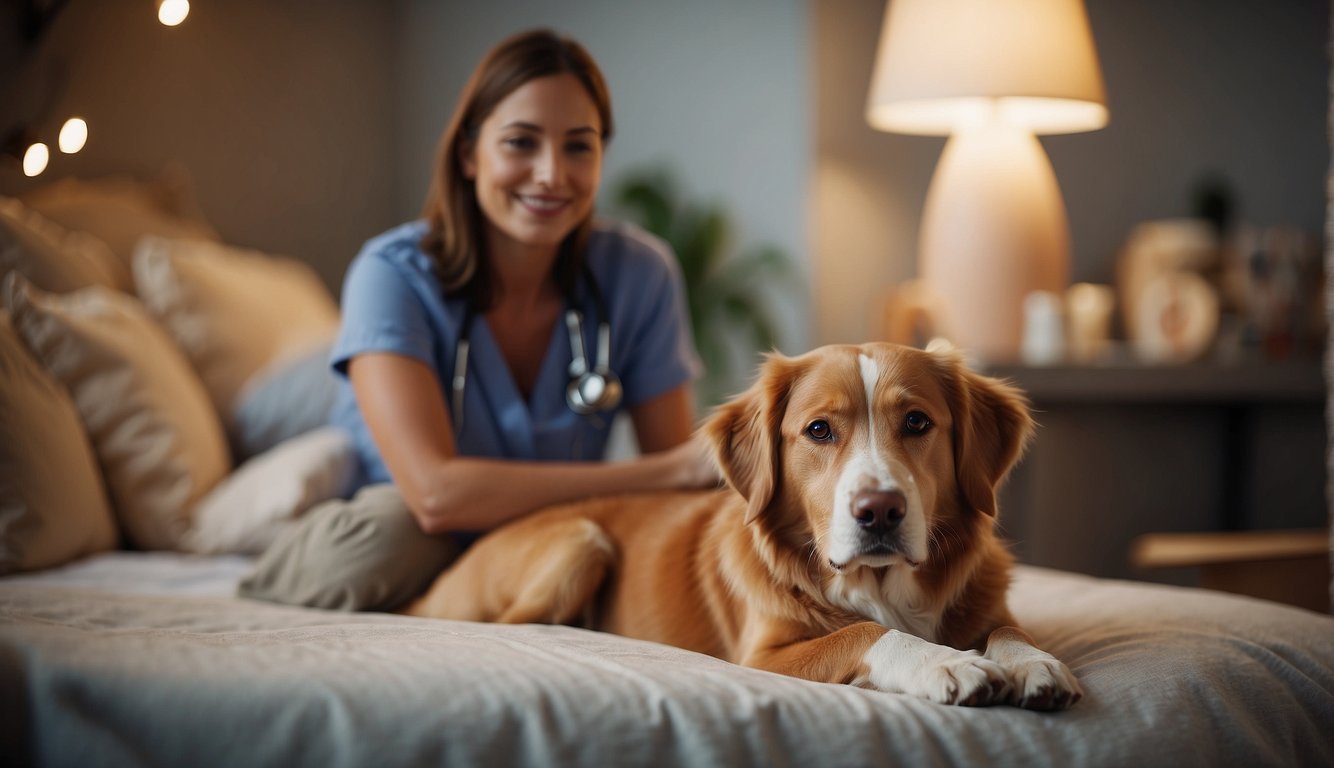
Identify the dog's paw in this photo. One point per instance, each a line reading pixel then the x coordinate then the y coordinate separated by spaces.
pixel 903 663
pixel 1043 684
pixel 966 679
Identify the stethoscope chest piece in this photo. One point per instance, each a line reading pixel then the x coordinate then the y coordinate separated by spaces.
pixel 590 389
pixel 596 389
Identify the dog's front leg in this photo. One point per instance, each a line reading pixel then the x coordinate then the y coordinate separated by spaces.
pixel 1038 679
pixel 888 660
pixel 831 658
pixel 900 662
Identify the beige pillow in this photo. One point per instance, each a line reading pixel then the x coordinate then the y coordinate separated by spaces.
pixel 232 311
pixel 50 256
pixel 53 508
pixel 120 210
pixel 265 495
pixel 156 437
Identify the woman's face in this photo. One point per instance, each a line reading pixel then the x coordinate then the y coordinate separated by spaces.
pixel 537 162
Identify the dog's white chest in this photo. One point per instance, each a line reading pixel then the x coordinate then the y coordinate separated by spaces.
pixel 894 602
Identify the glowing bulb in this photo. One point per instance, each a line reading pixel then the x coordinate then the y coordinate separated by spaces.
pixel 34 160
pixel 173 12
pixel 73 135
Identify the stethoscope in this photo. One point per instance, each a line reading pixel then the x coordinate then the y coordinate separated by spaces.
pixel 589 391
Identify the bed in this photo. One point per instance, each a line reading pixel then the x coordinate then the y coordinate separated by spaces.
pixel 162 395
pixel 148 659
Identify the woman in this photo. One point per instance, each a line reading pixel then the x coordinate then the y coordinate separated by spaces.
pixel 485 349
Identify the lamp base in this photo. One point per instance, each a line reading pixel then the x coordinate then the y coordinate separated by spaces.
pixel 994 230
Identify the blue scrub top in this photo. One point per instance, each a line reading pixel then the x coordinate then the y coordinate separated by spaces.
pixel 393 302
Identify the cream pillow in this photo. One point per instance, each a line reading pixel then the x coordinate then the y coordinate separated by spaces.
pixel 51 257
pixel 53 508
pixel 247 511
pixel 155 435
pixel 119 210
pixel 232 311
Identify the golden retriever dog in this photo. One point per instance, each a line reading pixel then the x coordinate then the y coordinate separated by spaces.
pixel 855 544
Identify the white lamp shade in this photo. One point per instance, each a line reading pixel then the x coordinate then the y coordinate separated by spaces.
pixel 943 64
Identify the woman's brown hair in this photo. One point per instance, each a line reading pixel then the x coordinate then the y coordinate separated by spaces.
pixel 454 235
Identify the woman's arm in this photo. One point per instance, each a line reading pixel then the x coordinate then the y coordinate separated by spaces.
pixel 666 421
pixel 400 400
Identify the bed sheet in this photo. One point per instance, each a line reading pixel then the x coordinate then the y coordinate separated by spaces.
pixel 96 674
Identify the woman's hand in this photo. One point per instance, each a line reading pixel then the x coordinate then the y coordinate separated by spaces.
pixel 691 464
pixel 663 427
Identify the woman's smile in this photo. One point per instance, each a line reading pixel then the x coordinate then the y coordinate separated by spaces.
pixel 543 205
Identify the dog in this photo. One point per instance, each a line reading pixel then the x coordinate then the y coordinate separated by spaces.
pixel 855 543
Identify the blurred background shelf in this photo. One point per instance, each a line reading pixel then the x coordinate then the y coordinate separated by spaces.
pixel 1128 450
pixel 1294 381
pixel 1285 566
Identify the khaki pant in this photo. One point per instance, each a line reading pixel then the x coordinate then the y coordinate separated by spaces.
pixel 362 554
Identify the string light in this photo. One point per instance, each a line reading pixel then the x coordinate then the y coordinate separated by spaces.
pixel 173 12
pixel 35 159
pixel 21 144
pixel 73 135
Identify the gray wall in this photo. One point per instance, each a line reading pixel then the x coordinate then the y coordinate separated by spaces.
pixel 714 91
pixel 279 110
pixel 309 125
pixel 1235 88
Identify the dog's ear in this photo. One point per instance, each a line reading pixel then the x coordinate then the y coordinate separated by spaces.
pixel 992 427
pixel 745 435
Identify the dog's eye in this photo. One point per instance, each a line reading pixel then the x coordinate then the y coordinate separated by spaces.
pixel 819 431
pixel 916 423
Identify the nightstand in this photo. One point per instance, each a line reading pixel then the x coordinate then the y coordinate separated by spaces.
pixel 1284 566
pixel 1128 450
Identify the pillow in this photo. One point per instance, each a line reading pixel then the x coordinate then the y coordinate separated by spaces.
pixel 282 401
pixel 53 508
pixel 232 311
pixel 51 257
pixel 265 495
pixel 158 442
pixel 120 210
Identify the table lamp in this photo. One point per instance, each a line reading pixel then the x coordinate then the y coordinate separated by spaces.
pixel 990 74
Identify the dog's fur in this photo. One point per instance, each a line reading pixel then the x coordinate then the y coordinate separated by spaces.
pixel 855 545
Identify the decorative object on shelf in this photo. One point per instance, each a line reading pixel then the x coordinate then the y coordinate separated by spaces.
pixel 1044 329
pixel 724 293
pixel 1088 322
pixel 1176 318
pixel 1169 309
pixel 1157 248
pixel 1273 278
pixel 990 74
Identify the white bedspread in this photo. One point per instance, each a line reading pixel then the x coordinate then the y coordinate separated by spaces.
pixel 91 677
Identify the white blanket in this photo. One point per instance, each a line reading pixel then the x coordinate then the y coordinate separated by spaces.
pixel 90 677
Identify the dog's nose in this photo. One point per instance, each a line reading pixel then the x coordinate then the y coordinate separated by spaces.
pixel 882 510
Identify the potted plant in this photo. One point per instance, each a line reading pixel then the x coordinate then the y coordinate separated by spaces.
pixel 725 294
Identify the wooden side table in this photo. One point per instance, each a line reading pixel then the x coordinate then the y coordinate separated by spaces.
pixel 1127 450
pixel 1290 567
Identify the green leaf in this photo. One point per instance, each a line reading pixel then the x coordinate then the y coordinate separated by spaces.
pixel 725 294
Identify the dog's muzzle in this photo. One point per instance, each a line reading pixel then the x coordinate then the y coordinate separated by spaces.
pixel 878 515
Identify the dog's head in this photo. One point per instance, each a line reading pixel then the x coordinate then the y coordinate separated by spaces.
pixel 869 451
